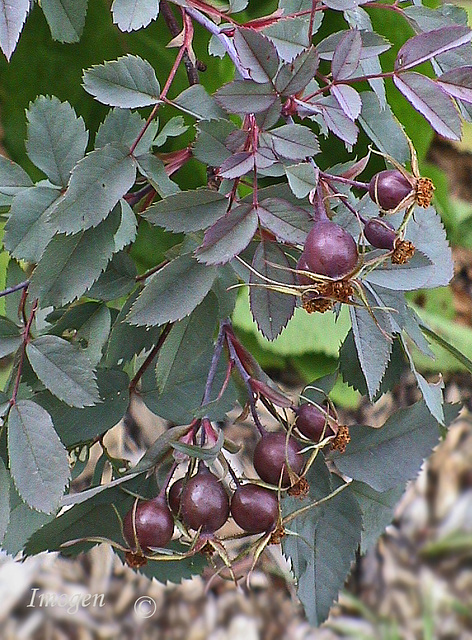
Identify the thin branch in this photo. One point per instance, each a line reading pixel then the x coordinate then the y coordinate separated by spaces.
pixel 26 333
pixel 152 354
pixel 174 29
pixel 16 287
pixel 225 41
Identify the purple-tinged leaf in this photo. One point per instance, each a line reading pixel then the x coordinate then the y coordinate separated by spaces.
pixel 286 221
pixel 265 158
pixel 292 141
pixel 348 99
pixel 457 83
pixel 347 55
pixel 271 309
pixel 257 54
pixel 12 18
pixel 229 235
pixel 246 96
pixel 432 43
pixel 237 165
pixel 302 178
pixel 357 168
pixel 294 76
pixel 372 45
pixel 432 102
pixel 334 118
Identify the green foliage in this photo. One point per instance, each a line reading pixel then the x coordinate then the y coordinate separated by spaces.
pixel 128 230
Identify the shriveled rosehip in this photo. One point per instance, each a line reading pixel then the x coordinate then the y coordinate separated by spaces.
pixel 270 454
pixel 311 422
pixel 388 188
pixel 154 525
pixel 174 496
pixel 330 250
pixel 379 233
pixel 254 508
pixel 204 502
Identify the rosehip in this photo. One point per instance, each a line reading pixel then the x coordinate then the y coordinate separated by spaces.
pixel 254 508
pixel 302 265
pixel 311 422
pixel 153 522
pixel 379 233
pixel 388 188
pixel 204 502
pixel 270 455
pixel 174 496
pixel 330 250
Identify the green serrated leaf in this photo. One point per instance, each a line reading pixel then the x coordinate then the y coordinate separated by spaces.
pixel 128 82
pixel 4 499
pixel 57 138
pixel 12 177
pixel 390 455
pixel 96 185
pixel 173 292
pixel 271 309
pixel 302 178
pixel 118 280
pixel 10 337
pixel 377 510
pixel 66 18
pixel 26 232
pixel 12 18
pixel 188 210
pixel 122 126
pixel 64 369
pixel 209 146
pixel 131 15
pixel 154 170
pixel 38 460
pixel 198 103
pixel 75 426
pixel 71 264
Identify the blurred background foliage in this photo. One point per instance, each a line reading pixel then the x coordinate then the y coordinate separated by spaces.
pixel 309 346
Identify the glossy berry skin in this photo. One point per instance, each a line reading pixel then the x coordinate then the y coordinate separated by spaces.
pixel 174 496
pixel 255 509
pixel 330 250
pixel 379 233
pixel 204 502
pixel 153 522
pixel 311 422
pixel 269 458
pixel 388 188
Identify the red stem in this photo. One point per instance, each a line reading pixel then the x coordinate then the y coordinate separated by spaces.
pixel 26 333
pixel 152 354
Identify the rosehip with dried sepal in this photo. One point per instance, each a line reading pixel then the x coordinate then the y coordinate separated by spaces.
pixel 389 189
pixel 204 502
pixel 380 233
pixel 330 250
pixel 311 422
pixel 255 509
pixel 153 525
pixel 271 455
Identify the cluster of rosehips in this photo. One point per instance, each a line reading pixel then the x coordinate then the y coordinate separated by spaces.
pixel 332 252
pixel 203 504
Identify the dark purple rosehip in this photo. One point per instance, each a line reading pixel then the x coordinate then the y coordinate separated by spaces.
pixel 204 502
pixel 174 496
pixel 380 233
pixel 302 265
pixel 330 250
pixel 311 422
pixel 153 523
pixel 388 188
pixel 254 508
pixel 270 457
